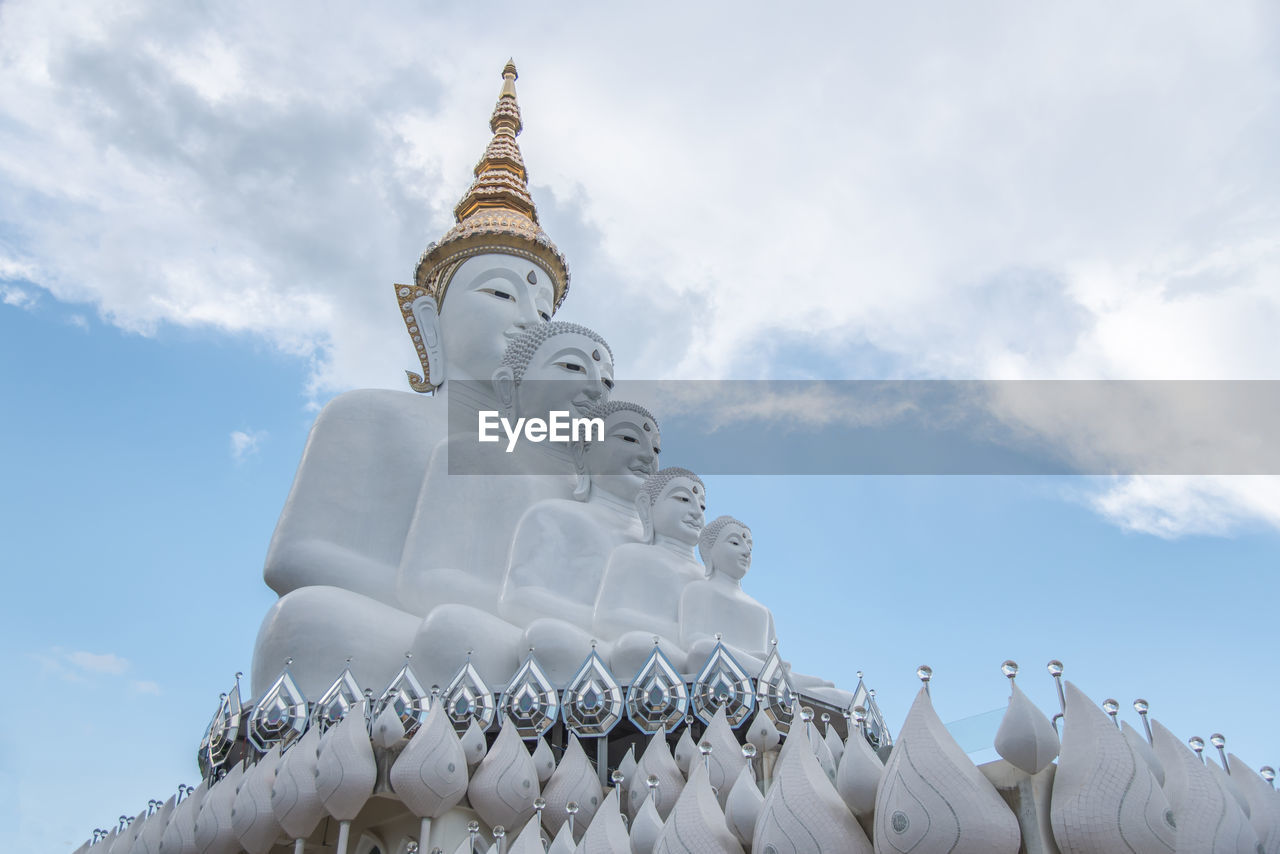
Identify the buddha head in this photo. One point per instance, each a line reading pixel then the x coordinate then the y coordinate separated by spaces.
pixel 554 366
pixel 495 273
pixel 671 504
pixel 629 453
pixel 725 548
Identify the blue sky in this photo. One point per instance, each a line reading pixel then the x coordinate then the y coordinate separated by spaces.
pixel 204 214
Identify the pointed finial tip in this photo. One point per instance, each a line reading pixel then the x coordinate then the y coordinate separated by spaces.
pixel 510 68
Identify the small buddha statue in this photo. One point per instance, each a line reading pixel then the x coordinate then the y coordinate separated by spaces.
pixel 716 606
pixel 639 597
pixel 561 546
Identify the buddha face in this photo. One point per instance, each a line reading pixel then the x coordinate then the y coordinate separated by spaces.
pixel 628 454
pixel 568 372
pixel 731 555
pixel 489 301
pixel 678 512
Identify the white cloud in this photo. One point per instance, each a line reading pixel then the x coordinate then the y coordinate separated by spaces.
pixel 79 321
pixel 93 662
pixel 146 686
pixel 990 192
pixel 17 297
pixel 1175 506
pixel 245 444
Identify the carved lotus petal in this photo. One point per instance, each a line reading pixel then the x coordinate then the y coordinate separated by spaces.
pixel 430 775
pixel 213 832
pixel 252 819
pixel 179 835
pixel 645 828
pixel 1224 780
pixel 474 745
pixel 125 841
pixel 529 840
pixel 345 767
pixel 801 813
pixel 1208 817
pixel 726 759
pixel 607 833
pixel 1025 739
pixel 656 761
pixel 933 798
pixel 294 799
pixel 148 841
pixel 1264 804
pixel 685 751
pixel 859 775
pixel 544 760
pixel 505 785
pixel 696 825
pixel 1142 747
pixel 834 744
pixel 822 753
pixel 742 809
pixel 763 733
pixel 388 728
pixel 562 843
pixel 1104 797
pixel 576 780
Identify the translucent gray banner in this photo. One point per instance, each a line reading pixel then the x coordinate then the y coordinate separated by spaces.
pixel 908 427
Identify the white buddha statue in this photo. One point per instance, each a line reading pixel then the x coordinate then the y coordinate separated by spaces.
pixel 639 597
pixel 355 496
pixel 561 546
pixel 716 605
pixel 458 547
pixel 555 366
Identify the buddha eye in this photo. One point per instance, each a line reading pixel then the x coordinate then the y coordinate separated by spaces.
pixel 572 366
pixel 546 318
pixel 499 294
pixel 632 439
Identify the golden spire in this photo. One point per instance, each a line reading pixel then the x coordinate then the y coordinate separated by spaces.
pixel 496 214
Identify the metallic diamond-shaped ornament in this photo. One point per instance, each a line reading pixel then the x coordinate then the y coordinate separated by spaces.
pixel 593 700
pixel 467 697
pixel 406 696
pixel 723 682
pixel 280 716
pixel 774 691
pixel 224 729
pixel 336 701
pixel 530 700
pixel 658 699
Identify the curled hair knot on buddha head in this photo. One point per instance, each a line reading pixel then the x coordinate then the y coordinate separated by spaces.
pixel 521 349
pixel 656 482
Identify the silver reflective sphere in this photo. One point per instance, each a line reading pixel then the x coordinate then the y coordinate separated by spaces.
pixel 539 804
pixel 1217 740
pixel 1196 742
pixel 749 751
pixel 1054 667
pixel 652 781
pixel 859 714
pixel 1110 706
pixel 705 748
pixel 571 808
pixel 1009 668
pixel 1141 706
pixel 1268 773
pixel 925 672
pixel 618 778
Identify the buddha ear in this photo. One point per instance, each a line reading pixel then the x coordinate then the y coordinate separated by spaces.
pixel 504 386
pixel 427 315
pixel 645 510
pixel 582 488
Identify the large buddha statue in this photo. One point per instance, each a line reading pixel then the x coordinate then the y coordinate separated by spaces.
pixel 715 606
pixel 355 496
pixel 639 598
